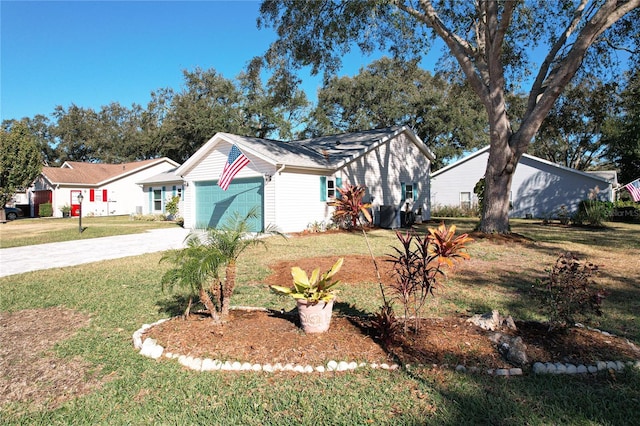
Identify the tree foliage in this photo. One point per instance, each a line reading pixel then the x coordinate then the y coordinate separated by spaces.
pixel 491 42
pixel 20 160
pixel 390 92
pixel 622 132
pixel 572 134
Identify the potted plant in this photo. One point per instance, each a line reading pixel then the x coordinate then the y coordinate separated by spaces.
pixel 66 210
pixel 314 295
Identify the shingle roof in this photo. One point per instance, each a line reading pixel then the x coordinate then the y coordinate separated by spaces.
pixel 327 152
pixel 78 172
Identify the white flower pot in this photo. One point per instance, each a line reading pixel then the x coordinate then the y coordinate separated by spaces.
pixel 315 318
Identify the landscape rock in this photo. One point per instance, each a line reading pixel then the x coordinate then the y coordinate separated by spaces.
pixel 493 321
pixel 488 321
pixel 539 368
pixel 513 350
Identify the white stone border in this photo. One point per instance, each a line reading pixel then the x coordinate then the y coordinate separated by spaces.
pixel 150 348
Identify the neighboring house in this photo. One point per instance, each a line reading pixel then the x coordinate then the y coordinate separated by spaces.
pixel 539 188
pixel 107 189
pixel 290 183
pixel 160 189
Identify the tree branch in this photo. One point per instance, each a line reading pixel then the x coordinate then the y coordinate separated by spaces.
pixel 460 48
pixel 541 101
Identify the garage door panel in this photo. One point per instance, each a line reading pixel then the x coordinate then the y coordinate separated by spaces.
pixel 215 206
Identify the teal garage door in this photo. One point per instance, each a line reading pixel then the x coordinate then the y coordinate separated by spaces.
pixel 215 206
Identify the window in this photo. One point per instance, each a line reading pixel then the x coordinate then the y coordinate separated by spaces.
pixel 157 200
pixel 465 200
pixel 409 191
pixel 328 187
pixel 331 188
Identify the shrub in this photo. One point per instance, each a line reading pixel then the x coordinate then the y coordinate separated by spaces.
pixel 172 205
pixel 386 324
pixel 593 212
pixel 569 294
pixel 45 210
pixel 453 211
pixel 349 207
pixel 419 263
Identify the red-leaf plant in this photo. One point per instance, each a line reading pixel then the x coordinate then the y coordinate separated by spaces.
pixel 349 206
pixel 419 263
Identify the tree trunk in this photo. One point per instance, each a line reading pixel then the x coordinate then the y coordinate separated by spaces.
pixel 206 300
pixel 230 283
pixel 501 164
pixel 495 217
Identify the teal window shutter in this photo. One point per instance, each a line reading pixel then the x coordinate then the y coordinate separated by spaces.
pixel 415 191
pixel 403 191
pixel 323 188
pixel 150 200
pixel 338 183
pixel 164 197
pixel 173 191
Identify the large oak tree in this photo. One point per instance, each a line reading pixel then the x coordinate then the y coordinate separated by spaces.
pixel 490 41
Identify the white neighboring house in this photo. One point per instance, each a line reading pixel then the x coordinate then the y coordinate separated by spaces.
pixel 159 190
pixel 290 183
pixel 107 189
pixel 539 188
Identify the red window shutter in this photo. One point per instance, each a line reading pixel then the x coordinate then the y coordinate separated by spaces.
pixel 104 195
pixel 92 195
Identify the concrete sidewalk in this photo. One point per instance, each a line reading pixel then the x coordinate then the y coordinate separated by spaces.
pixel 17 260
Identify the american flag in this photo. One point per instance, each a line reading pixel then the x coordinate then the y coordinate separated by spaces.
pixel 235 162
pixel 634 189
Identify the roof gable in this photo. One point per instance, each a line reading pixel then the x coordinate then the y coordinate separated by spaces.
pixel 326 152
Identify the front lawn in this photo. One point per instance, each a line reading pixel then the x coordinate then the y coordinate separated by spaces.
pixel 25 232
pixel 114 298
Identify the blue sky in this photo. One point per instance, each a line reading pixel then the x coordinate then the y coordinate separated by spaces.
pixel 92 53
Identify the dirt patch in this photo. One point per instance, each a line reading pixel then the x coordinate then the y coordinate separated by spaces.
pixel 30 371
pixel 269 337
pixel 355 269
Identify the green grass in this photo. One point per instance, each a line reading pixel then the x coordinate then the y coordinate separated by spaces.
pixel 24 232
pixel 120 295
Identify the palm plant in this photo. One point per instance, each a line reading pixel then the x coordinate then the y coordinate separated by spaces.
pixel 193 267
pixel 206 253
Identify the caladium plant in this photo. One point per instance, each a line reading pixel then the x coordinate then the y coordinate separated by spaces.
pixel 316 288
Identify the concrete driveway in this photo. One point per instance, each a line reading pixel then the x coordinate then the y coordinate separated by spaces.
pixel 17 260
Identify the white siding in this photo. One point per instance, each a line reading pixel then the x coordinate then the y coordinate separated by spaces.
pixel 383 169
pixel 538 188
pixel 298 202
pixel 446 187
